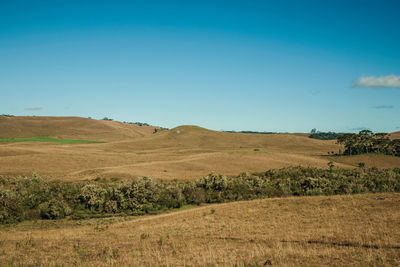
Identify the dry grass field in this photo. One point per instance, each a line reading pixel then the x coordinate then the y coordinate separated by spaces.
pixel 69 127
pixel 184 152
pixel 395 135
pixel 356 230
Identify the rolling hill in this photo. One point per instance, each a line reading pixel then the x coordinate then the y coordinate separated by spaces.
pixel 184 152
pixel 70 128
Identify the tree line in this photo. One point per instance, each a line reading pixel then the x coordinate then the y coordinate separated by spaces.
pixel 368 142
pixel 323 135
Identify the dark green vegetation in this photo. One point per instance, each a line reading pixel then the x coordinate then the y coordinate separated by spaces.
pixel 137 123
pixel 34 198
pixel 107 119
pixel 45 139
pixel 324 135
pixel 368 142
pixel 250 132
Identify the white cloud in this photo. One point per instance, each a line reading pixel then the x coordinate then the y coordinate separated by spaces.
pixel 392 81
pixel 34 108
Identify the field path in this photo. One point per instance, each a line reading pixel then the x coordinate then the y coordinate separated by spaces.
pixel 186 159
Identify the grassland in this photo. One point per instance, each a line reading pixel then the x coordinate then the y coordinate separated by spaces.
pixel 95 178
pixel 351 230
pixel 69 128
pixel 184 153
pixel 46 139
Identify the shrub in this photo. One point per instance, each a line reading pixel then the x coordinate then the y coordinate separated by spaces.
pixel 171 197
pixel 111 206
pixel 54 209
pixel 24 198
pixel 92 196
pixel 193 194
pixel 11 208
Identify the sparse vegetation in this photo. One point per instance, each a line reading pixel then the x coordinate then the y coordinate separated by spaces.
pixel 251 132
pixel 107 119
pixel 137 123
pixel 158 128
pixel 35 198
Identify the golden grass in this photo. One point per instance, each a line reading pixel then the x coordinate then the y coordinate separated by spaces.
pixel 377 160
pixel 183 153
pixel 69 128
pixel 395 135
pixel 357 230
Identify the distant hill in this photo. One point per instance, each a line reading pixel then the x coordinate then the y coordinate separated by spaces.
pixel 195 137
pixel 184 152
pixel 70 127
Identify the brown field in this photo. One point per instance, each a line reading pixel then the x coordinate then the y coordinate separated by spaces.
pixel 357 230
pixel 184 152
pixel 69 128
pixel 395 135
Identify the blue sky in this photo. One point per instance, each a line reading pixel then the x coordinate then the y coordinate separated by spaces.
pixel 286 66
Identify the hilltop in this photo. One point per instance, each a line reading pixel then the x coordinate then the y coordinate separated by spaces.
pixel 70 128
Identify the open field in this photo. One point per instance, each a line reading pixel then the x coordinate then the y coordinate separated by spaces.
pixel 395 135
pixel 184 152
pixel 46 139
pixel 357 230
pixel 199 133
pixel 69 128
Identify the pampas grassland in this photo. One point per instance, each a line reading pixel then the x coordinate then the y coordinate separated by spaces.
pixel 184 153
pixel 345 230
pixel 348 230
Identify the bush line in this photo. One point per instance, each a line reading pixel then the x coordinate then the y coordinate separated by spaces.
pixel 23 198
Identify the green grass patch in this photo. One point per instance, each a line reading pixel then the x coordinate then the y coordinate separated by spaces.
pixel 46 139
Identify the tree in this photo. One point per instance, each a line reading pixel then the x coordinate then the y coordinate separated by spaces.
pixel 368 142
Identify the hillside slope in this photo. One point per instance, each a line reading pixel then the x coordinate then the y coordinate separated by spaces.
pixel 185 152
pixel 188 136
pixel 70 128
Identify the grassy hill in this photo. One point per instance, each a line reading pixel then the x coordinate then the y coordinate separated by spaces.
pixel 184 152
pixel 69 128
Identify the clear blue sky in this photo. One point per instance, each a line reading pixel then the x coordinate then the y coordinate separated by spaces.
pixel 232 65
